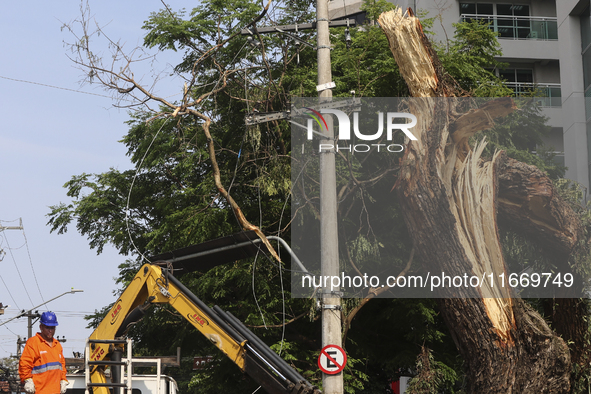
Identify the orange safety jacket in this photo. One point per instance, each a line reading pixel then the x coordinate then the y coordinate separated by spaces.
pixel 44 363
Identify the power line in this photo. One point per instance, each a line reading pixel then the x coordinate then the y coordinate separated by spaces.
pixel 67 89
pixel 2 228
pixel 13 333
pixel 9 293
pixel 31 263
pixel 17 270
pixel 54 87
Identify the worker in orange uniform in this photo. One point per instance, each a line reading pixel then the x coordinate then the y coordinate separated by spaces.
pixel 42 367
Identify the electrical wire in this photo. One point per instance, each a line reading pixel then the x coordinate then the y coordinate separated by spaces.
pixel 71 90
pixel 280 278
pixel 260 209
pixel 220 79
pixel 32 268
pixel 260 225
pixel 260 215
pixel 254 264
pixel 12 332
pixel 17 270
pixel 283 307
pixel 259 249
pixel 9 293
pixel 244 135
pixel 131 188
pixel 53 87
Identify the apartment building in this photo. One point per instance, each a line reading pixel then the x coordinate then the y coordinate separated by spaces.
pixel 547 44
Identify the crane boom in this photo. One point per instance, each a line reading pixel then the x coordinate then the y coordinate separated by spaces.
pixel 156 285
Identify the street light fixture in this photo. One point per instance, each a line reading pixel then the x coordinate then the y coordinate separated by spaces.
pixel 25 313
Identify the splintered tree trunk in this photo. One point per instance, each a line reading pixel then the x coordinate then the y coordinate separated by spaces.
pixel 450 198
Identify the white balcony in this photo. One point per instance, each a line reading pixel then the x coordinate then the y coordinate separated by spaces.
pixel 546 94
pixel 519 27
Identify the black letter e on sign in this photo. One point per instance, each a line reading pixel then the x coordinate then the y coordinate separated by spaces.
pixel 329 363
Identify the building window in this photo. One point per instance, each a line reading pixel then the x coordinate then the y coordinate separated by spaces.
pixel 476 8
pixel 494 9
pixel 512 21
pixel 585 29
pixel 520 80
pixel 514 75
pixel 511 26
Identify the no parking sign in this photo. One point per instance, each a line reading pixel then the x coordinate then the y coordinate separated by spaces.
pixel 332 359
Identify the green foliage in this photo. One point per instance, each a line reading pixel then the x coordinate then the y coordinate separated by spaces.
pixel 574 194
pixel 470 58
pixel 168 200
pixel 401 327
pixel 373 8
pixel 520 135
pixel 171 31
pixel 367 67
pixel 432 376
pixel 98 214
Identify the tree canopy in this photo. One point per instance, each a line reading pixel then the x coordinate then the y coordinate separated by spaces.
pixel 197 168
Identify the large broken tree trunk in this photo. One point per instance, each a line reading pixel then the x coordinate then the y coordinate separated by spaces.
pixel 450 197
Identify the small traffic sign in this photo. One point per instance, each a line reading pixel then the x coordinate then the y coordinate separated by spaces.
pixel 332 359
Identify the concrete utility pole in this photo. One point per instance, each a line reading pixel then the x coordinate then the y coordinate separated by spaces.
pixel 329 253
pixel 20 342
pixel 30 315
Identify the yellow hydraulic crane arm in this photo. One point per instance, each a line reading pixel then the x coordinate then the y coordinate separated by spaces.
pixel 156 285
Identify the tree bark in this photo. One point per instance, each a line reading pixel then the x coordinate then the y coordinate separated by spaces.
pixel 450 197
pixel 529 203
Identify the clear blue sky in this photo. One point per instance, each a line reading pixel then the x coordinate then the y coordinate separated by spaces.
pixel 46 136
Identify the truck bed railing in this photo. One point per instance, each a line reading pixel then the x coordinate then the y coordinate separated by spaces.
pixel 116 372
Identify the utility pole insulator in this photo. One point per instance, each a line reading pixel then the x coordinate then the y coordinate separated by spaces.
pixel 2 228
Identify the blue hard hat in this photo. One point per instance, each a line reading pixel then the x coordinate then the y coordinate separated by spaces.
pixel 49 319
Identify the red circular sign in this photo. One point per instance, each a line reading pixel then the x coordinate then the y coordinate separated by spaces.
pixel 332 359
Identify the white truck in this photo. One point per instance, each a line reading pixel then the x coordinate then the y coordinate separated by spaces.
pixel 142 384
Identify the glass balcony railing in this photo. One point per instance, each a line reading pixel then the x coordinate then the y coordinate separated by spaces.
pixel 519 27
pixel 547 94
